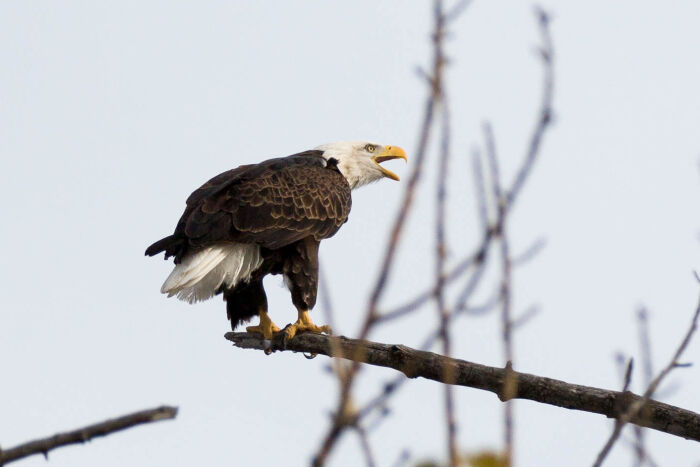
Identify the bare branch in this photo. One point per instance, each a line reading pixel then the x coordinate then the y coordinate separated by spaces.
pixel 640 450
pixel 364 442
pixel 457 10
pixel 545 113
pixel 403 458
pixel 440 255
pixel 645 345
pixel 639 408
pixel 422 298
pixel 475 278
pixel 526 316
pixel 421 151
pixel 628 375
pixel 492 158
pixel 532 251
pixel 645 456
pixel 326 301
pixel 510 386
pixel 416 363
pixel 82 435
pixel 480 187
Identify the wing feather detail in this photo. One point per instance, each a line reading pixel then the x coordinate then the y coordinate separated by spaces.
pixel 271 204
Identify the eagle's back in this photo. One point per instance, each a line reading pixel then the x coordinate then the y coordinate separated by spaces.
pixel 271 204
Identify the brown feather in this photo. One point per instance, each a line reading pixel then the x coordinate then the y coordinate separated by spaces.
pixel 272 204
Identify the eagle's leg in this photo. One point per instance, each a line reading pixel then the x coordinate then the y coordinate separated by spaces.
pixel 300 270
pixel 304 324
pixel 266 327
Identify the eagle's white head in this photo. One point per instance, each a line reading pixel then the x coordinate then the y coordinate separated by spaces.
pixel 359 161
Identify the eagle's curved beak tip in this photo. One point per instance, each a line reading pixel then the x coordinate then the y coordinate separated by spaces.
pixel 389 153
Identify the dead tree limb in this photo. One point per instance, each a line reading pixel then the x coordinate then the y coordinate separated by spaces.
pixel 417 363
pixel 82 435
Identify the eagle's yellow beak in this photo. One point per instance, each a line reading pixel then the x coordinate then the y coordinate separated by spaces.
pixel 390 152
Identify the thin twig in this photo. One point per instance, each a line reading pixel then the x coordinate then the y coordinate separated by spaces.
pixel 545 113
pixel 421 151
pixel 474 279
pixel 628 375
pixel 639 408
pixel 82 435
pixel 505 290
pixel 424 297
pixel 648 459
pixel 640 450
pixel 479 310
pixel 457 10
pixel 326 301
pixel 532 251
pixel 392 386
pixel 526 316
pixel 364 442
pixel 403 458
pixel 440 256
pixel 480 188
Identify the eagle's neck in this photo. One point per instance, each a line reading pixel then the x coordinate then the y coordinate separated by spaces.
pixel 357 171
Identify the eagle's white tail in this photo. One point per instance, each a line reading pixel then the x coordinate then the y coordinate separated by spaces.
pixel 200 274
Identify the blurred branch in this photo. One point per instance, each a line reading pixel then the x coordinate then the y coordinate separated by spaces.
pixel 440 256
pixel 435 79
pixel 639 408
pixel 532 251
pixel 417 363
pixel 640 451
pixel 82 435
pixel 544 120
pixel 506 286
pixel 525 317
pixel 458 271
pixel 647 458
pixel 480 187
pixel 503 201
pixel 345 412
pixel 545 113
pixel 364 442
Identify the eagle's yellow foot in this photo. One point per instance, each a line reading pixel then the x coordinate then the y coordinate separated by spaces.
pixel 304 324
pixel 266 327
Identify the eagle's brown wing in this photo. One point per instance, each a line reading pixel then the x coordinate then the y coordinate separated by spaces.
pixel 271 204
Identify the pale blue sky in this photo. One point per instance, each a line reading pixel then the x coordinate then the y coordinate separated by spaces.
pixel 113 112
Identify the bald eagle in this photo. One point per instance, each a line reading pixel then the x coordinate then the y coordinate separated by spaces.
pixel 268 218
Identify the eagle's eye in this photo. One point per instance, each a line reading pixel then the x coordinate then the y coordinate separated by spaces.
pixel 370 148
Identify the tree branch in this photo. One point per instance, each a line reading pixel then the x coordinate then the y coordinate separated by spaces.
pixel 81 435
pixel 416 363
pixel 637 409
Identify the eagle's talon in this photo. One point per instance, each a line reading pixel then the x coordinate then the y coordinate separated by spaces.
pixel 266 327
pixel 304 324
pixel 287 333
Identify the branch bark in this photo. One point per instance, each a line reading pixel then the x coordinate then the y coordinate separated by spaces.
pixel 81 435
pixel 417 363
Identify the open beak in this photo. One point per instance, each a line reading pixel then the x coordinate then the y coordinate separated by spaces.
pixel 390 152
